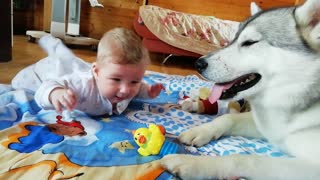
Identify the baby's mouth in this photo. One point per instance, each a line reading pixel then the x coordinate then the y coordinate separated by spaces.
pixel 117 99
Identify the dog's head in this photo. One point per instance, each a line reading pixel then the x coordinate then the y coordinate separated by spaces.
pixel 273 49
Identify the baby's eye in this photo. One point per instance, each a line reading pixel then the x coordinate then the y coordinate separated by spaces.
pixel 135 82
pixel 116 79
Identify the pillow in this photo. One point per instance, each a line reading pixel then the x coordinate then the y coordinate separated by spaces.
pixel 195 33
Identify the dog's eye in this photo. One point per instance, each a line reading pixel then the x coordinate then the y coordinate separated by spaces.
pixel 248 43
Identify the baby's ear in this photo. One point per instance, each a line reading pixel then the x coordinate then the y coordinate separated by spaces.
pixel 308 19
pixel 94 69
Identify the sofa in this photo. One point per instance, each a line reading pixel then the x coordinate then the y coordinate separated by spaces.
pixel 154 44
pixel 181 34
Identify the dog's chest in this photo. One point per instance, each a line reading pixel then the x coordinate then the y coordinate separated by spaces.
pixel 271 124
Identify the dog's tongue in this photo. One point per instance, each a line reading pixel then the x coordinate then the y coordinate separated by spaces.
pixel 217 90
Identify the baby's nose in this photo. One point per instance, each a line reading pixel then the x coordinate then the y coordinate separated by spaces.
pixel 124 89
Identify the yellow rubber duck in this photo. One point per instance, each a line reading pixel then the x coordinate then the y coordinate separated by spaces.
pixel 150 140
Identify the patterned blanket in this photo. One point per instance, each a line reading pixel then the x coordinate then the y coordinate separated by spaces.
pixel 33 144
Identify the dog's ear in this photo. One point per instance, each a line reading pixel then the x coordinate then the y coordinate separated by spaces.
pixel 308 19
pixel 254 8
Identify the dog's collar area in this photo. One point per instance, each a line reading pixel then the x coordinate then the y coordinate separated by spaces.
pixel 240 84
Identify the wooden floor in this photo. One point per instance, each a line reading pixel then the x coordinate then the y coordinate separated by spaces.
pixel 26 53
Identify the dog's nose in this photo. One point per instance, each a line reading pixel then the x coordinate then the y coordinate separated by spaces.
pixel 201 65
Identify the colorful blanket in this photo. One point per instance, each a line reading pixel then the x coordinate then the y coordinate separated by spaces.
pixel 34 145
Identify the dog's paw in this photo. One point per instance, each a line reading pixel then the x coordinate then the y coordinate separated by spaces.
pixel 184 166
pixel 197 136
pixel 203 134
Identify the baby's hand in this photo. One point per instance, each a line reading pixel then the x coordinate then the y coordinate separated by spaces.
pixel 155 90
pixel 63 98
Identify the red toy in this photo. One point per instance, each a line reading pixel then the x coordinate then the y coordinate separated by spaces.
pixel 73 123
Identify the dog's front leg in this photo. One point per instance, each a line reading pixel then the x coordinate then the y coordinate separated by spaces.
pixel 251 167
pixel 229 124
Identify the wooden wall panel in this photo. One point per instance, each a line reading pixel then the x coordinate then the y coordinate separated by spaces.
pixel 26 15
pixel 95 21
pixel 38 14
pixel 46 15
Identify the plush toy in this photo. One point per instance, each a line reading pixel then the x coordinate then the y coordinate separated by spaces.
pixel 198 102
pixel 239 106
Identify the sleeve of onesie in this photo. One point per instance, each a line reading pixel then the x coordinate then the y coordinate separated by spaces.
pixel 42 94
pixel 143 93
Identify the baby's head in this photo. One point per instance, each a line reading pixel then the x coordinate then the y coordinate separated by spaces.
pixel 121 64
pixel 125 46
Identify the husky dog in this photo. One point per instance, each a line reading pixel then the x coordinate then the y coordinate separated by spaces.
pixel 274 63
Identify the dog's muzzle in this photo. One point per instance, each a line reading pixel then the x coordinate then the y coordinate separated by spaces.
pixel 201 65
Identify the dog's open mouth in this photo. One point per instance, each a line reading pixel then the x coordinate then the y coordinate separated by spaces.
pixel 229 89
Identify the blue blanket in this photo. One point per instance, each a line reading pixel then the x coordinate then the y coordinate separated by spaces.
pixel 31 136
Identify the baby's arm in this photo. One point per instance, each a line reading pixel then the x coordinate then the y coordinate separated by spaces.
pixel 150 91
pixel 55 95
pixel 155 89
pixel 63 98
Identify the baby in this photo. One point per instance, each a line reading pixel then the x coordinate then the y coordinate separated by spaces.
pixel 63 81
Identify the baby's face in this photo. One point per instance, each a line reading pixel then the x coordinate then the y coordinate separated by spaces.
pixel 117 82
